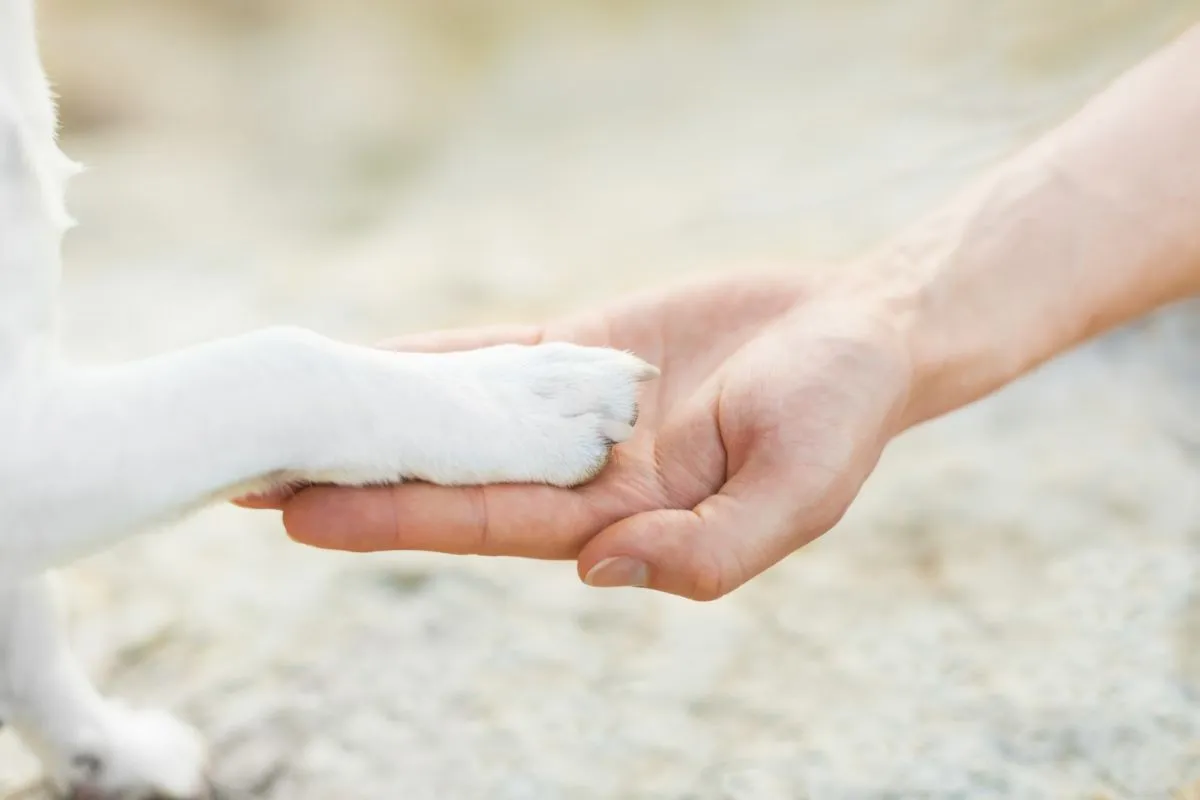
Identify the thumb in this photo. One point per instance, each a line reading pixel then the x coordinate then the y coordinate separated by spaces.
pixel 758 518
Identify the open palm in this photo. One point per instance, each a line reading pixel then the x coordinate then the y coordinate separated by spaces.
pixel 773 406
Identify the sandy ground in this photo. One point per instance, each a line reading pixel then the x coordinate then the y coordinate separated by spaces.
pixel 1008 611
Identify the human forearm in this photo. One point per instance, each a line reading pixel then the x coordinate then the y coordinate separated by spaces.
pixel 1093 225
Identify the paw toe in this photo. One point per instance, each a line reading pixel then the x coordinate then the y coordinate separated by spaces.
pixel 616 431
pixel 593 470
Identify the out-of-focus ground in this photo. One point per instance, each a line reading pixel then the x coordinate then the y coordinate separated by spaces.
pixel 1011 608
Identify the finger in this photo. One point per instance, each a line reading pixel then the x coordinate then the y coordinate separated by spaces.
pixel 525 521
pixel 266 501
pixel 466 339
pixel 271 499
pixel 707 552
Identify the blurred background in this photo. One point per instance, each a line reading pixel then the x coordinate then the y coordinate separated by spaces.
pixel 1008 611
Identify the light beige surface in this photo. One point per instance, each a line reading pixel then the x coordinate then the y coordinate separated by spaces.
pixel 1009 609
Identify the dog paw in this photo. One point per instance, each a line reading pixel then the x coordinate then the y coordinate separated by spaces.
pixel 547 413
pixel 141 755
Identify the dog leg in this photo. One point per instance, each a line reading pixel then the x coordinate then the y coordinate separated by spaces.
pixel 91 747
pixel 88 456
pixel 92 455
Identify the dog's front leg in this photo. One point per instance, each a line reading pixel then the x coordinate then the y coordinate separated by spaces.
pixel 92 455
pixel 92 747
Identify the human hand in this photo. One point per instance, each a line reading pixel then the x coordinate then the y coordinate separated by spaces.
pixel 778 394
pixel 776 398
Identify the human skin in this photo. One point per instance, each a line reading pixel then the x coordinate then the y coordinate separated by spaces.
pixel 780 391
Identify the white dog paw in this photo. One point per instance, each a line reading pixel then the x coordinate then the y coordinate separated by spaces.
pixel 140 755
pixel 547 414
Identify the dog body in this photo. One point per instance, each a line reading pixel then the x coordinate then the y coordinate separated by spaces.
pixel 88 456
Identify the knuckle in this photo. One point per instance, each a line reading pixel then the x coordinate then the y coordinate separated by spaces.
pixel 710 579
pixel 481 522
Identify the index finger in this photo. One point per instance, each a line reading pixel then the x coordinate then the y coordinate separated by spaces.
pixel 453 340
pixel 508 520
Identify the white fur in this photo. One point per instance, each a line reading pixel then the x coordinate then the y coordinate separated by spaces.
pixel 88 456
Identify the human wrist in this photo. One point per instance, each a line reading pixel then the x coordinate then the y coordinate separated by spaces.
pixel 1029 263
pixel 976 295
pixel 1093 225
pixel 953 354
